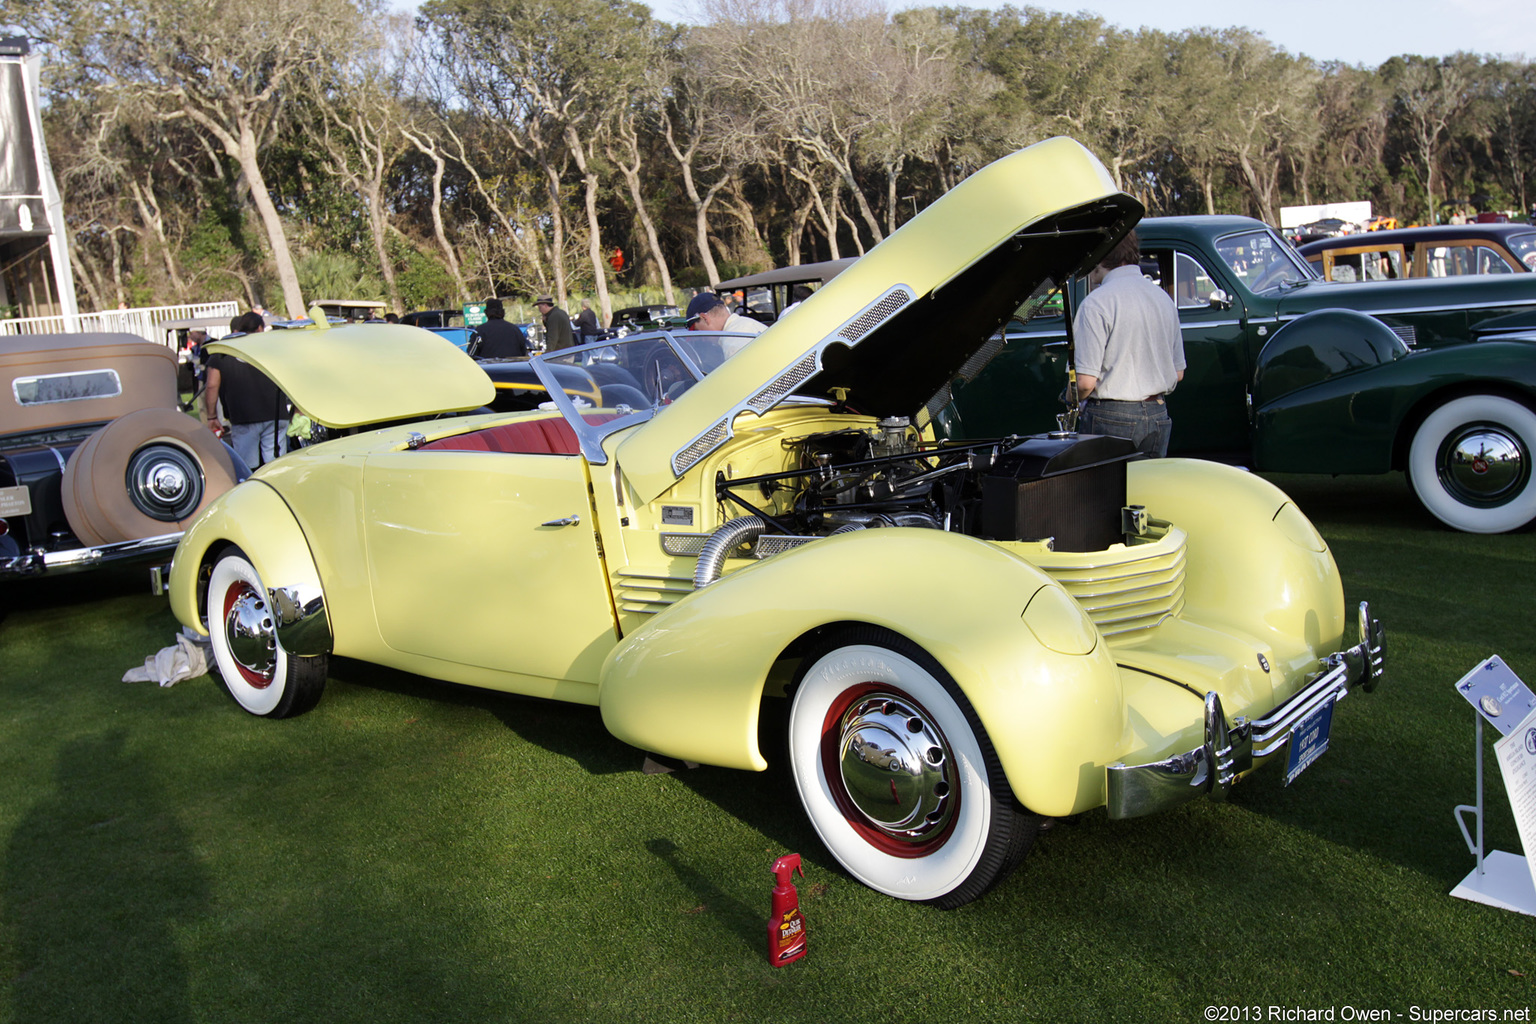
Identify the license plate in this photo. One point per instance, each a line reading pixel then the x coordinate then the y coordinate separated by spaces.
pixel 1308 741
pixel 15 502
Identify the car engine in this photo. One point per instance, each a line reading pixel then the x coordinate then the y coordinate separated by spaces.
pixel 1066 489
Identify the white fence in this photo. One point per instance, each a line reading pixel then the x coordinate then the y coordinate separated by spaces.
pixel 133 321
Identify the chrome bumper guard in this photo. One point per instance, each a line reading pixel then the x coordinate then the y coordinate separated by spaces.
pixel 1228 751
pixel 301 625
pixel 36 563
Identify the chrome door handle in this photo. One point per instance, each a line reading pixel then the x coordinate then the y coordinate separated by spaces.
pixel 571 520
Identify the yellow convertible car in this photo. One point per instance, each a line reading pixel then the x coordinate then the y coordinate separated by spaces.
pixel 966 639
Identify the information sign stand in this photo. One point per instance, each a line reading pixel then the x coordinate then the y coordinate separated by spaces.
pixel 1502 879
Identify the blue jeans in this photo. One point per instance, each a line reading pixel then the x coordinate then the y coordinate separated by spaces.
pixel 258 443
pixel 1144 423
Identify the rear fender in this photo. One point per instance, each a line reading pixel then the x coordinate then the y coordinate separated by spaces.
pixel 254 518
pixel 689 684
pixel 1256 564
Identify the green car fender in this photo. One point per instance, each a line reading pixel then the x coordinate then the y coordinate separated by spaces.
pixel 254 518
pixel 1362 422
pixel 690 683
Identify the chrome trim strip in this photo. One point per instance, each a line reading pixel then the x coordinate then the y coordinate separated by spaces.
pixel 75 559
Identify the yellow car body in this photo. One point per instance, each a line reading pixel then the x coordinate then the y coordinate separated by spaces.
pixel 741 525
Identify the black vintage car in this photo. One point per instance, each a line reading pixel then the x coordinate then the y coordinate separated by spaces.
pixel 97 461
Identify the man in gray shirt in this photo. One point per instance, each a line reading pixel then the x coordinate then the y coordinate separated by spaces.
pixel 1130 352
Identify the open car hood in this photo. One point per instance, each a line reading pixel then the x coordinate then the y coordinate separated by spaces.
pixel 365 373
pixel 888 334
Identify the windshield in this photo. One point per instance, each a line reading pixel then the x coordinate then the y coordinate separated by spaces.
pixel 1262 262
pixel 1524 246
pixel 633 377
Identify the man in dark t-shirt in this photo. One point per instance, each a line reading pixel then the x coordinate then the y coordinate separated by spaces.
pixel 498 338
pixel 257 411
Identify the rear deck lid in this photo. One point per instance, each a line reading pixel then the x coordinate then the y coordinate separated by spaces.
pixel 365 373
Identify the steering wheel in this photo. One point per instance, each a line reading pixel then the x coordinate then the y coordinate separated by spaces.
pixel 662 370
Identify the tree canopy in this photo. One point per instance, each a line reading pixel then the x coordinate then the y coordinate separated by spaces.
pixel 582 147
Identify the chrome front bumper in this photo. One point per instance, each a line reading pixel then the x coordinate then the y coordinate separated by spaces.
pixel 1229 750
pixel 36 563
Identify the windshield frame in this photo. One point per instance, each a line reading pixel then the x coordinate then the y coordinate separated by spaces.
pixel 1304 269
pixel 684 346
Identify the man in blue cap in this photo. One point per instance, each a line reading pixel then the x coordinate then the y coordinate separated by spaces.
pixel 708 312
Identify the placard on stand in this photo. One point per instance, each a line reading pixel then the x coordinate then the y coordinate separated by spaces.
pixel 1502 879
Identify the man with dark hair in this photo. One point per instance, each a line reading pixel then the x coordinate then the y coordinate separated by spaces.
pixel 498 338
pixel 257 411
pixel 557 324
pixel 1130 352
pixel 798 294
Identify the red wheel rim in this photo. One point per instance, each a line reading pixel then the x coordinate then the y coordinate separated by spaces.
pixel 255 680
pixel 831 766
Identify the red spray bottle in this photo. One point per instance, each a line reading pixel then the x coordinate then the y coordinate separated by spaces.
pixel 786 925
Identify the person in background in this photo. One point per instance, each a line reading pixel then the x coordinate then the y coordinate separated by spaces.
pixel 798 294
pixel 500 339
pixel 709 312
pixel 1130 352
pixel 257 411
pixel 586 321
pixel 557 324
pixel 391 318
pixel 196 339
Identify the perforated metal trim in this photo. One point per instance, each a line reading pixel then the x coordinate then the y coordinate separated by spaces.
pixel 772 544
pixel 683 543
pixel 877 313
pixel 786 382
pixel 701 446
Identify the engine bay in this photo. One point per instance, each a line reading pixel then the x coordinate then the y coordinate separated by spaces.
pixel 1063 488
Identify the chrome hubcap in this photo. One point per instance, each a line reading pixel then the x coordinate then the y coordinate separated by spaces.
pixel 249 632
pixel 895 768
pixel 164 482
pixel 1483 464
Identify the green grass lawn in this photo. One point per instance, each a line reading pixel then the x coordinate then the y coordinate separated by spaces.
pixel 415 851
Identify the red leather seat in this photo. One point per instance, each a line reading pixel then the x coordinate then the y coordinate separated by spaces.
pixel 549 436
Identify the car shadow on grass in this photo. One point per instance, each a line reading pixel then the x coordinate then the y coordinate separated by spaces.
pixel 765 801
pixel 573 731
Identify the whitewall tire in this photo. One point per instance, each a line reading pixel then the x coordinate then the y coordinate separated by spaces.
pixel 259 674
pixel 897 774
pixel 1470 464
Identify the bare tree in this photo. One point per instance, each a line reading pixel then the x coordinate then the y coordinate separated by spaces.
pixel 1429 94
pixel 363 134
pixel 230 73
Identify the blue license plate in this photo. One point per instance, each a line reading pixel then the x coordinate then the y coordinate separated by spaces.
pixel 1308 741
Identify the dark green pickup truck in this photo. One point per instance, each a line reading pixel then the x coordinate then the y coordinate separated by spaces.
pixel 1290 373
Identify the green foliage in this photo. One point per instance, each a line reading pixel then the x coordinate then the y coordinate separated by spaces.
pixel 334 275
pixel 424 282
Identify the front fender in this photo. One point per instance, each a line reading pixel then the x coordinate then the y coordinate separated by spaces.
pixel 689 684
pixel 254 518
